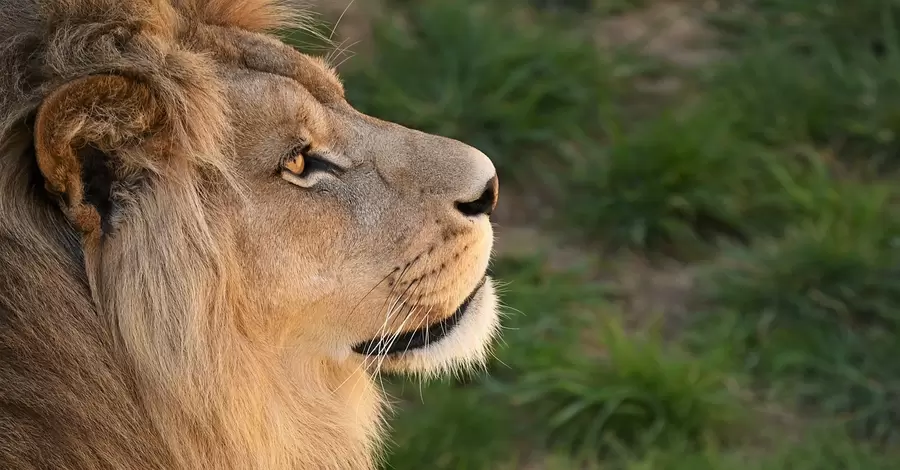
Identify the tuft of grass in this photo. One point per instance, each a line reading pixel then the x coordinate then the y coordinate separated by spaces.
pixel 634 395
pixel 798 105
pixel 686 179
pixel 826 100
pixel 819 311
pixel 517 89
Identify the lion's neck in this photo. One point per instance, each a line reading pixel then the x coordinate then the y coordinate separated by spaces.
pixel 314 414
pixel 264 410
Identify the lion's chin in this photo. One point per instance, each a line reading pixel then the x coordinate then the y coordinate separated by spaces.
pixel 460 341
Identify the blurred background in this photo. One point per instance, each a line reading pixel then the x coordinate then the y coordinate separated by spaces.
pixel 697 232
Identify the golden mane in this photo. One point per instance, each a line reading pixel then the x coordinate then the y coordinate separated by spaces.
pixel 203 398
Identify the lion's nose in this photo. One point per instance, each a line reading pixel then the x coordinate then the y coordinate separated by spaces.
pixel 485 203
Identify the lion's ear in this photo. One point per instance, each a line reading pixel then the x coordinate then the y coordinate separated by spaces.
pixel 79 128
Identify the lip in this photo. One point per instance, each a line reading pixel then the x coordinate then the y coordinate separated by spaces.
pixel 419 338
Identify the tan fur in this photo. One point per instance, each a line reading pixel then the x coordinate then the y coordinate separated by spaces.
pixel 170 296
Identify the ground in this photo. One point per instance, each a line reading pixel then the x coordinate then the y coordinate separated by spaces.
pixel 698 234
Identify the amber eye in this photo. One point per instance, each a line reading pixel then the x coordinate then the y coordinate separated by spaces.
pixel 295 164
pixel 305 168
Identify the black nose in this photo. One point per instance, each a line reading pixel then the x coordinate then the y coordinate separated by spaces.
pixel 485 203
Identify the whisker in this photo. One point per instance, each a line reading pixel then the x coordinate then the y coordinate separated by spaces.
pixel 422 320
pixel 400 300
pixel 390 304
pixel 338 22
pixel 342 62
pixel 399 329
pixel 394 337
pixel 405 300
pixel 393 304
pixel 342 48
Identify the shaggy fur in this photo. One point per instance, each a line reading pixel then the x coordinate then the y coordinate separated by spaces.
pixel 172 296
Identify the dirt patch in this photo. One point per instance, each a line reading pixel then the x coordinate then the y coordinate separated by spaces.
pixel 521 241
pixel 644 291
pixel 647 290
pixel 672 31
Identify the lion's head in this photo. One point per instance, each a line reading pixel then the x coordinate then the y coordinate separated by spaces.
pixel 352 235
pixel 228 205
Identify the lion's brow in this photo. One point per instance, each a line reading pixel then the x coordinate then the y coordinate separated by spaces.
pixel 261 53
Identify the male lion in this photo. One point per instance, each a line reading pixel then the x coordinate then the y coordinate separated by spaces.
pixel 206 252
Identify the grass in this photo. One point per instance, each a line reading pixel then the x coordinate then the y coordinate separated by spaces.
pixel 771 171
pixel 681 181
pixel 636 394
pixel 820 313
pixel 837 67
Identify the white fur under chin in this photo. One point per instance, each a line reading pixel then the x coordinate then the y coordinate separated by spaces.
pixel 465 347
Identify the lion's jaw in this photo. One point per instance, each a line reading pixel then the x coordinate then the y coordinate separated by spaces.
pixel 458 341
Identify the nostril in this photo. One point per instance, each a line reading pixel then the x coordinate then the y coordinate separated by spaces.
pixel 485 203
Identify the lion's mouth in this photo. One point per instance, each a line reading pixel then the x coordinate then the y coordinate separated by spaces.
pixel 420 338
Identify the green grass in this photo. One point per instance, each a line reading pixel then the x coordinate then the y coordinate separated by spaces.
pixel 772 172
pixel 635 394
pixel 799 24
pixel 820 312
pixel 684 180
pixel 826 101
pixel 453 427
pixel 588 6
pixel 821 73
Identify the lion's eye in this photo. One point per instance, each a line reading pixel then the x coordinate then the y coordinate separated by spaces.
pixel 304 168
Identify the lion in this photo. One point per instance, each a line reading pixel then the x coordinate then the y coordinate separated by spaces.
pixel 207 254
